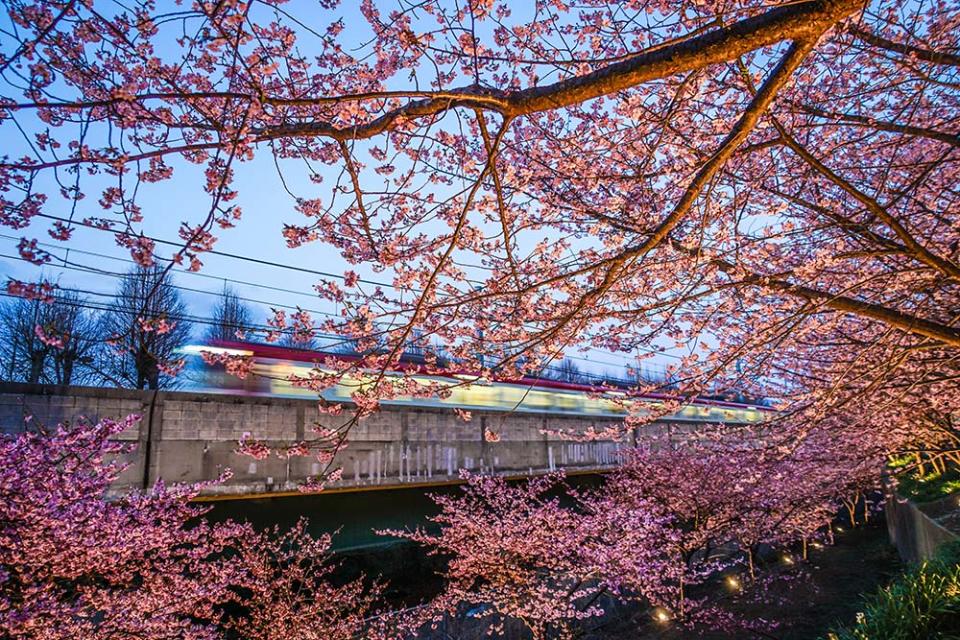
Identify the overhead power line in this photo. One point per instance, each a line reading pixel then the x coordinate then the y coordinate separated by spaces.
pixel 257 285
pixel 333 340
pixel 181 317
pixel 233 256
pixel 184 271
pixel 81 268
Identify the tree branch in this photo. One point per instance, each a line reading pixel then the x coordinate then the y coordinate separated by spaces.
pixel 919 53
pixel 942 333
pixel 794 21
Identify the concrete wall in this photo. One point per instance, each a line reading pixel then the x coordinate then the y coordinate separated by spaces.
pixel 912 527
pixel 191 437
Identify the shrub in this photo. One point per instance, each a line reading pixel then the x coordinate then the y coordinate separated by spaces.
pixel 923 604
pixel 930 487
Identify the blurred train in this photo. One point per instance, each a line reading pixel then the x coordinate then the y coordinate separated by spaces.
pixel 273 366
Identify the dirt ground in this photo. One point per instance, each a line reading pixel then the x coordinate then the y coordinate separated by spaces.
pixel 806 607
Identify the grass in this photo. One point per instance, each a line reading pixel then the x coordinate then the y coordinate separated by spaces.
pixel 922 604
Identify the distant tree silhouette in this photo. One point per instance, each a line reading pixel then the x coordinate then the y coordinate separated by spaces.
pixel 79 331
pixel 52 343
pixel 232 317
pixel 346 346
pixel 566 371
pixel 23 353
pixel 295 341
pixel 145 326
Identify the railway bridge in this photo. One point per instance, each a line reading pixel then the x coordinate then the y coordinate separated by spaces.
pixel 188 436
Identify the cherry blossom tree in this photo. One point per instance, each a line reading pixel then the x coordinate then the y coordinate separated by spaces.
pixel 661 531
pixel 147 565
pixel 75 565
pixel 693 494
pixel 286 590
pixel 515 553
pixel 738 176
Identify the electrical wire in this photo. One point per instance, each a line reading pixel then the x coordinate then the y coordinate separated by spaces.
pixel 215 252
pixel 331 340
pixel 72 266
pixel 88 269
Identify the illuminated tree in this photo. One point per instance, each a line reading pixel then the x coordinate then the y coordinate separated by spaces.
pixel 147 565
pixel 659 531
pixel 736 176
pixel 515 554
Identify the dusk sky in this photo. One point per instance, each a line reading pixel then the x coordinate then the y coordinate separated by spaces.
pixel 94 260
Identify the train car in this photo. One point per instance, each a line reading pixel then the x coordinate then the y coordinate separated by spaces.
pixel 274 367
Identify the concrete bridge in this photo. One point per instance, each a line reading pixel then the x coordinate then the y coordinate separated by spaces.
pixel 191 437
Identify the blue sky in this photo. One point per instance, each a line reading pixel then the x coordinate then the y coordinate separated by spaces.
pixel 266 206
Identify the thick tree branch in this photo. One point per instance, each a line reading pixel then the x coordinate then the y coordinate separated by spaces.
pixel 761 101
pixel 619 264
pixel 794 21
pixel 942 333
pixel 952 139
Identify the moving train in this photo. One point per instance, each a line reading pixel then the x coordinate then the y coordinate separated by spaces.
pixel 274 365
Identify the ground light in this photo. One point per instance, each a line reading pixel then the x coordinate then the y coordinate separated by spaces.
pixel 661 615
